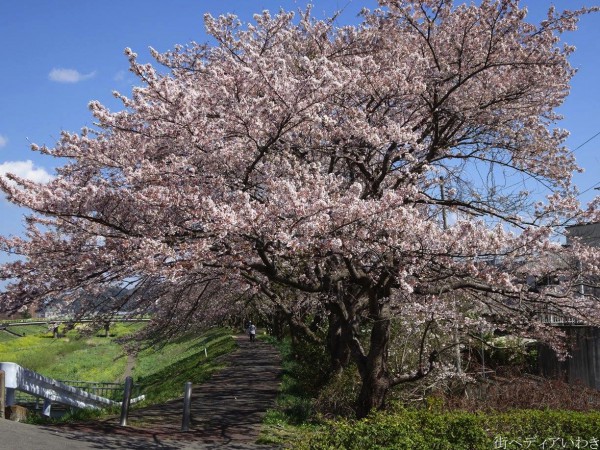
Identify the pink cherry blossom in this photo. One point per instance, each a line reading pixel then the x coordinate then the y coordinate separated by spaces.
pixel 362 174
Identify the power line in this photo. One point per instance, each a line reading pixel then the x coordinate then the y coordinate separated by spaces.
pixel 595 185
pixel 594 136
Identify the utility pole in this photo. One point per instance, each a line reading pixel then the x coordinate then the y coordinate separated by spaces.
pixel 443 197
pixel 456 338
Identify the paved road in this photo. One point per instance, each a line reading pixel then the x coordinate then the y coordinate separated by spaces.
pixel 19 436
pixel 226 414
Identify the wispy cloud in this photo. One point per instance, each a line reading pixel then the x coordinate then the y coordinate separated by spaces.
pixel 69 75
pixel 27 170
pixel 123 78
pixel 120 75
pixel 3 141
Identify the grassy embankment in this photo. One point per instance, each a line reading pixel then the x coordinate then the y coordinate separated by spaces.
pixel 160 372
pixel 70 357
pixel 163 372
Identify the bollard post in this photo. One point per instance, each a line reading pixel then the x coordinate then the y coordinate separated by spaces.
pixel 11 396
pixel 47 407
pixel 187 401
pixel 126 401
pixel 2 395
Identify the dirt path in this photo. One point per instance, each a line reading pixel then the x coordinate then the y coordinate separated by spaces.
pixel 227 410
pixel 129 366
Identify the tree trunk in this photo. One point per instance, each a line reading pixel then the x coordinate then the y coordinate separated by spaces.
pixel 372 394
pixel 278 322
pixel 375 375
pixel 337 345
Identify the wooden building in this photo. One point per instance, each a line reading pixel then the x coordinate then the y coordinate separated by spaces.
pixel 584 364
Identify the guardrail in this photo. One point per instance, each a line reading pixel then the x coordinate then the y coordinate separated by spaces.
pixel 559 319
pixel 18 378
pixel 24 322
pixel 114 391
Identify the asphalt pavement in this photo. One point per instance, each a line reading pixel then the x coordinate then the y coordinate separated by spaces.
pixel 227 412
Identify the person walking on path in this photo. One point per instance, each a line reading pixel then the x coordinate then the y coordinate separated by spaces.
pixel 252 331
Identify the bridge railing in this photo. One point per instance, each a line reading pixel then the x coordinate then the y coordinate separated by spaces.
pixel 18 378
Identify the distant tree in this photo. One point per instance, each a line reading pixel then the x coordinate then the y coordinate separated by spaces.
pixel 26 314
pixel 366 175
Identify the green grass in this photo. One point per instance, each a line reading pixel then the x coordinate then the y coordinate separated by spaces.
pixel 290 420
pixel 162 372
pixel 71 357
pixel 28 330
pixel 6 337
pixel 72 416
pixel 31 330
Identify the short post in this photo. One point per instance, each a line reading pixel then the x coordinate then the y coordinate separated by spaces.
pixel 11 396
pixel 187 402
pixel 205 353
pixel 47 407
pixel 2 394
pixel 126 401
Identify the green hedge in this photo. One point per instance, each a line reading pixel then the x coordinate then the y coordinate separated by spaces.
pixel 432 430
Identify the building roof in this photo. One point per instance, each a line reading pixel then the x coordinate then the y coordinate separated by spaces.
pixel 588 233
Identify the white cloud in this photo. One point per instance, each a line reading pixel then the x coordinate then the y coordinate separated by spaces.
pixel 25 169
pixel 69 75
pixel 120 75
pixel 3 141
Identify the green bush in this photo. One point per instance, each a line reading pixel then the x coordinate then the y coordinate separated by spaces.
pixel 534 428
pixel 436 430
pixel 295 402
pixel 72 416
pixel 310 367
pixel 338 397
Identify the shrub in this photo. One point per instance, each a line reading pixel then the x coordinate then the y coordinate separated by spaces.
pixel 310 367
pixel 337 398
pixel 435 430
pixel 526 392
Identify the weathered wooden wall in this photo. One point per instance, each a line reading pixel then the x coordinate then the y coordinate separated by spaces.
pixel 584 364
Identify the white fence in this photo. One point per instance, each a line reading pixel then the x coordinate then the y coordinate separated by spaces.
pixel 18 378
pixel 558 319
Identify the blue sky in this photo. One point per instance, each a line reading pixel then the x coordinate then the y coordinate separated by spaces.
pixel 58 55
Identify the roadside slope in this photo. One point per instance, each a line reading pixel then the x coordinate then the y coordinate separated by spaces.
pixel 227 410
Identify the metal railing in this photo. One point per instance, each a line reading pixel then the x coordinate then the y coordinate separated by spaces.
pixel 558 319
pixel 114 391
pixel 18 378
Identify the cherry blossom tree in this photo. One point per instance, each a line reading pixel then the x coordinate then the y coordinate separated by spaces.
pixel 363 175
